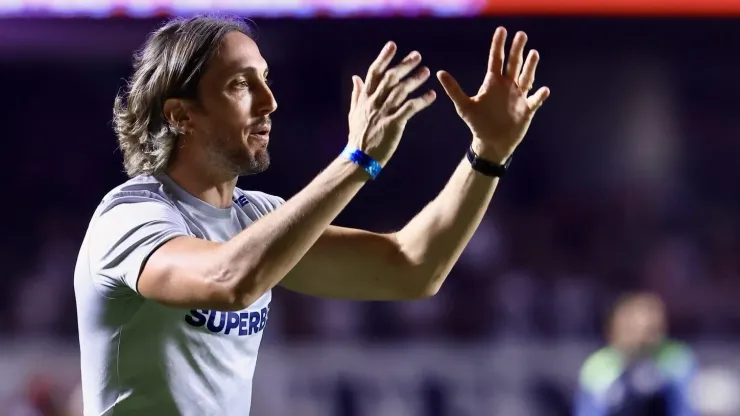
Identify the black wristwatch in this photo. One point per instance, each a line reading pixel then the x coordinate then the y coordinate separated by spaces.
pixel 487 167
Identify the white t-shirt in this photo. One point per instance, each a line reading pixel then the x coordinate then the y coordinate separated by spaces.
pixel 139 357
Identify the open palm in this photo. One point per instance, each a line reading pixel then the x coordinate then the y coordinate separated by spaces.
pixel 500 114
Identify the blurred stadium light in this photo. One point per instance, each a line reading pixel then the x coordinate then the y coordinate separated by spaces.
pixel 365 8
pixel 261 8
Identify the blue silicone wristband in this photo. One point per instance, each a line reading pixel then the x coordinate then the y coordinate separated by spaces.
pixel 360 158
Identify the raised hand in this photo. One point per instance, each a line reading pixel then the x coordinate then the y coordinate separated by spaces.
pixel 500 114
pixel 379 108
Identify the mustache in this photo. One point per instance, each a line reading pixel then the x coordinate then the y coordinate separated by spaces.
pixel 263 123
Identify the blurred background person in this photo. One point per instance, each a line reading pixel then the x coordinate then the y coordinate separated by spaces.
pixel 641 372
pixel 40 397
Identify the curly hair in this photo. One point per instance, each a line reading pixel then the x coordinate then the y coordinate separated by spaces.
pixel 169 65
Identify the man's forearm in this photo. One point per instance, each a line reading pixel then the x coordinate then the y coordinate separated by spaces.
pixel 264 253
pixel 412 263
pixel 434 239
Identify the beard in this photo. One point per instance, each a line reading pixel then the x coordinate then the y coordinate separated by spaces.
pixel 256 162
pixel 233 157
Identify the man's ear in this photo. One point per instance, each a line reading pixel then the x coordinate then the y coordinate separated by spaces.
pixel 176 112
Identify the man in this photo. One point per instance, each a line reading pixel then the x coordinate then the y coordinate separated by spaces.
pixel 174 276
pixel 641 372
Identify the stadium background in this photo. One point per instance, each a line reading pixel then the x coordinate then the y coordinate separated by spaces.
pixel 628 180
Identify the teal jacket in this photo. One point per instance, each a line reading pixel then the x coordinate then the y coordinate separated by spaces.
pixel 657 385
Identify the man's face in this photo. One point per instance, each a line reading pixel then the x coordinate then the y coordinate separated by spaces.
pixel 639 325
pixel 231 121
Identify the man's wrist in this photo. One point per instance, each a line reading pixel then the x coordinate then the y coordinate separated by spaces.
pixel 363 160
pixel 353 170
pixel 489 153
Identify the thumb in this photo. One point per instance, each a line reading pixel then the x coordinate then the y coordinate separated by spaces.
pixel 536 100
pixel 452 88
pixel 357 87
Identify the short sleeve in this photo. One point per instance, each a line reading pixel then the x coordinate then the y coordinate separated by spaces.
pixel 277 202
pixel 122 238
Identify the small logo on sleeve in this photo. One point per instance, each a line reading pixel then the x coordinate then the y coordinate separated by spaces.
pixel 241 200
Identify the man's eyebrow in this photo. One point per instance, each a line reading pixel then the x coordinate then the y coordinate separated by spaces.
pixel 251 68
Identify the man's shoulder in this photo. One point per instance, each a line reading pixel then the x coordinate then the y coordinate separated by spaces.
pixel 676 358
pixel 142 188
pixel 264 202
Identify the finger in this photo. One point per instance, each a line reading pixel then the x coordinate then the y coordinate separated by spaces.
pixel 496 55
pixel 377 68
pixel 526 79
pixel 356 90
pixel 412 107
pixel 406 87
pixel 514 66
pixel 453 89
pixel 393 76
pixel 536 100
